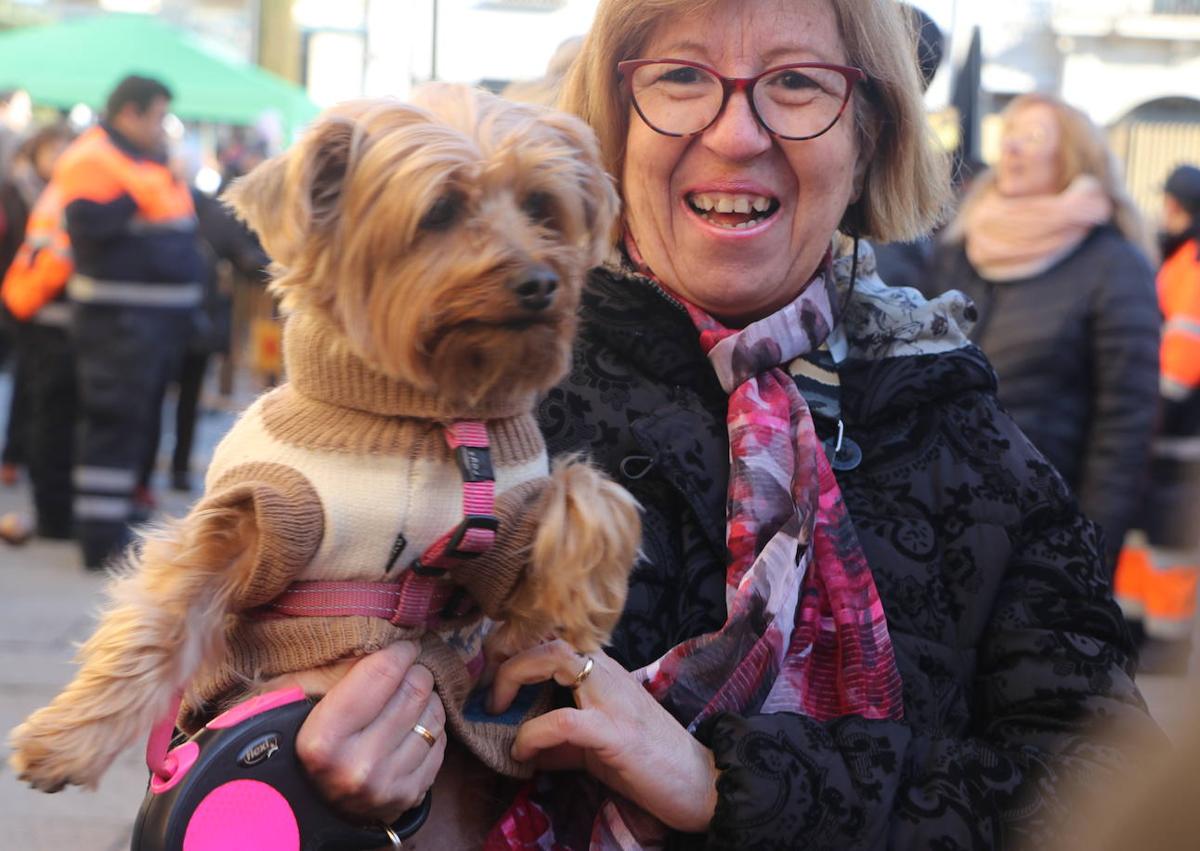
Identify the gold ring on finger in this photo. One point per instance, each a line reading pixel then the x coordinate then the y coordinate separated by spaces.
pixel 426 734
pixel 584 673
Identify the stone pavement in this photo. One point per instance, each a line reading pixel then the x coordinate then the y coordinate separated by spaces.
pixel 46 605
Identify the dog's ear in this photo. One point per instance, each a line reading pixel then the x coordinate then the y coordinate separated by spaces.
pixel 288 198
pixel 600 200
pixel 258 199
pixel 328 161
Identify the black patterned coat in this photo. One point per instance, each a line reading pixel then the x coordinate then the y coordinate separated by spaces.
pixel 1010 647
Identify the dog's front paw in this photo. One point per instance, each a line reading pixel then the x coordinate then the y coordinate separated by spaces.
pixel 584 550
pixel 51 751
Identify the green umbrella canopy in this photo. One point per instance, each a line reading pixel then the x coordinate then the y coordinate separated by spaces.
pixel 82 60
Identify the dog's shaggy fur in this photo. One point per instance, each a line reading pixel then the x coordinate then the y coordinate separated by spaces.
pixel 410 232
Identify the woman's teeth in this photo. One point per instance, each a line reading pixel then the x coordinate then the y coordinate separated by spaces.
pixel 732 211
pixel 730 203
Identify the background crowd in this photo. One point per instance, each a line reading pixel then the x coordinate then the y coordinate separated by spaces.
pixel 113 290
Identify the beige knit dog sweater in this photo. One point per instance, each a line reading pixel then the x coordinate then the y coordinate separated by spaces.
pixel 339 466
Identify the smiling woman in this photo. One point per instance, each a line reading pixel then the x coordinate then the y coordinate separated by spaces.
pixel 660 165
pixel 858 619
pixel 868 613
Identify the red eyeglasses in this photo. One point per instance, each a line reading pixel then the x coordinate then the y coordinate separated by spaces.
pixel 798 101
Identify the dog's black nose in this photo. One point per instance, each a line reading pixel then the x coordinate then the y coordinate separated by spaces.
pixel 535 288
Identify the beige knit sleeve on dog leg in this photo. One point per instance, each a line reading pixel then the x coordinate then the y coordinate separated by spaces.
pixel 289 524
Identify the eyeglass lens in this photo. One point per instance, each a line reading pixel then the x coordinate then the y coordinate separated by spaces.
pixel 792 102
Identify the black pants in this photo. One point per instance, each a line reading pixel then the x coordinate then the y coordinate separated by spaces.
pixel 190 380
pixel 125 355
pixel 48 363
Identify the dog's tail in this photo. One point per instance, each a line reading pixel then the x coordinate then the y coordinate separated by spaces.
pixel 166 618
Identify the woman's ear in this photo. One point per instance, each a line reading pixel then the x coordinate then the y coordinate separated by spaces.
pixel 868 142
pixel 854 219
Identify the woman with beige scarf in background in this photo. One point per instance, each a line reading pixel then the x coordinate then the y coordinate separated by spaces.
pixel 1052 251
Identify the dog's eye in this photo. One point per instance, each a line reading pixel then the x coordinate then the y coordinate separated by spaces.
pixel 539 206
pixel 443 212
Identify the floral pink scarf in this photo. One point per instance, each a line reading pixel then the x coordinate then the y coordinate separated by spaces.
pixel 805 630
pixel 794 555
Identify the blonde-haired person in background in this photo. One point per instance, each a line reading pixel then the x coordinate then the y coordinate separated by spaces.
pixel 1053 253
pixel 869 613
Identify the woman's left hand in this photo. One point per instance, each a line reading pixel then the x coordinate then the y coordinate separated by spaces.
pixel 618 733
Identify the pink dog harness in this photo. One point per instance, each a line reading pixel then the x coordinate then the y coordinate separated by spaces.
pixel 422 596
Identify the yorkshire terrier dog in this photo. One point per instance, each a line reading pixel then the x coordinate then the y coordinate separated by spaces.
pixel 430 258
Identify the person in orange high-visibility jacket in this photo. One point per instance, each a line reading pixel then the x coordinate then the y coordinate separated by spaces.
pixel 1159 570
pixel 34 293
pixel 134 293
pixel 43 265
pixel 36 266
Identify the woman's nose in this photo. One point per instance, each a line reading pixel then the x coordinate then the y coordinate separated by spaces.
pixel 737 134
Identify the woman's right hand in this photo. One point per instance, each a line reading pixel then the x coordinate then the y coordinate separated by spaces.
pixel 358 743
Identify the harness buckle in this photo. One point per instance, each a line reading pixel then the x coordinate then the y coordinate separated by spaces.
pixel 487 522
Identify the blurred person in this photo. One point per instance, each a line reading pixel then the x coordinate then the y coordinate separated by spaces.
pixel 31 169
pixel 1051 250
pixel 34 265
pixel 138 279
pixel 223 240
pixel 240 156
pixel 906 264
pixel 20 183
pixel 19 191
pixel 16 111
pixel 1159 569
pixel 545 90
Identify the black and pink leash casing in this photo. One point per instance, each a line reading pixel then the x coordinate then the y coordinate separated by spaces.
pixel 237 785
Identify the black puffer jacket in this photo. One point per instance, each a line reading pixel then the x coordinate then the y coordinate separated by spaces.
pixel 1076 352
pixel 1010 647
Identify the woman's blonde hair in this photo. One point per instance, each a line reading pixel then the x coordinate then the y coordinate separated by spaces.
pixel 1083 149
pixel 905 187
